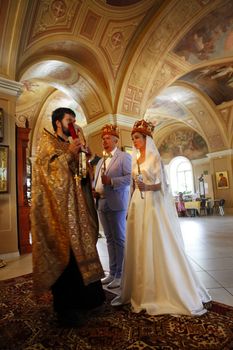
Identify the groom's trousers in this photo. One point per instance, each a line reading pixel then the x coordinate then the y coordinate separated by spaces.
pixel 114 225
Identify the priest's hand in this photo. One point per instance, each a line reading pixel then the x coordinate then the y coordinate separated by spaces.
pixel 75 147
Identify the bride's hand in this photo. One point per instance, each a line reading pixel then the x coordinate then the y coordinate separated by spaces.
pixel 142 186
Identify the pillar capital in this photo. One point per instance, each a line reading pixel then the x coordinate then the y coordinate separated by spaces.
pixel 10 87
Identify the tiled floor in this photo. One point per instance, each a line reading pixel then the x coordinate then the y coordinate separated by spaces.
pixel 208 242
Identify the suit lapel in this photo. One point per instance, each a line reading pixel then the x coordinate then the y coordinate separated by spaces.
pixel 98 170
pixel 114 158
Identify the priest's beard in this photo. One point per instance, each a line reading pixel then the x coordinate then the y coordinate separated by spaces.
pixel 65 131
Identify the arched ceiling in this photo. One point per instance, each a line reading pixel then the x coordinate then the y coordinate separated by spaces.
pixel 171 61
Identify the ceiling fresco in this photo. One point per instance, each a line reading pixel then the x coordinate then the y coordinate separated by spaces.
pixel 74 51
pixel 183 142
pixel 171 104
pixel 215 81
pixel 166 105
pixel 210 38
pixel 63 77
pixel 114 57
pixel 32 91
pixel 52 70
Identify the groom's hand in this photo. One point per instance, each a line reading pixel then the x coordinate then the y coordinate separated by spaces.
pixel 106 180
pixel 95 194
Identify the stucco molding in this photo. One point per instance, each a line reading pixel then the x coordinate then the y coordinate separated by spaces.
pixel 10 87
pixel 224 153
pixel 119 119
pixel 200 161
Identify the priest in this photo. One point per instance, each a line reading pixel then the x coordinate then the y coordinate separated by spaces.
pixel 64 225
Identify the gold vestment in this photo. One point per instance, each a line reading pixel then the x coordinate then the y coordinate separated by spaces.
pixel 62 217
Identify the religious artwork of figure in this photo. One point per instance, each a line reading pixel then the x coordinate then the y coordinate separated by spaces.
pixel 222 179
pixel 211 37
pixel 183 142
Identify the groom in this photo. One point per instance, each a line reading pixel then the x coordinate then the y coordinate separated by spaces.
pixel 112 183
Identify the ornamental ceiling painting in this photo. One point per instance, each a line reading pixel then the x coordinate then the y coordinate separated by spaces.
pixel 210 38
pixel 215 81
pixel 167 104
pixel 168 61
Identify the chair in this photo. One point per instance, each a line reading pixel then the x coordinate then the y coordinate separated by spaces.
pixel 221 207
pixel 210 207
pixel 203 207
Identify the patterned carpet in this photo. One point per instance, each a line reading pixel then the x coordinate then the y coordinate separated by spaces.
pixel 29 324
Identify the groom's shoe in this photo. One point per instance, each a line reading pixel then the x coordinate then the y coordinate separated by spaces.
pixel 116 283
pixel 107 280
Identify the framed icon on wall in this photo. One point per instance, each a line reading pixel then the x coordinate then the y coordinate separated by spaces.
pixel 222 180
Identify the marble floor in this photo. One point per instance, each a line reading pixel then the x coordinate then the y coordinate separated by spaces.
pixel 208 242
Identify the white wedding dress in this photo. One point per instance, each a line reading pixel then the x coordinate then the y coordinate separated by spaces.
pixel 157 274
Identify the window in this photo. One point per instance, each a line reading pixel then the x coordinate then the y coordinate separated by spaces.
pixel 181 175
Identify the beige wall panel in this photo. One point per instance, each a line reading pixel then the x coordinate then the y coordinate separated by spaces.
pixel 95 143
pixel 125 137
pixel 8 215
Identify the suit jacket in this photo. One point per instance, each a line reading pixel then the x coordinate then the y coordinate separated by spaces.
pixel 119 170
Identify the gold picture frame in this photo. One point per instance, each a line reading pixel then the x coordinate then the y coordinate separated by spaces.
pixel 4 169
pixel 222 180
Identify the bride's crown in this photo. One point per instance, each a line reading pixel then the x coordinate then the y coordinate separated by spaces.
pixel 110 129
pixel 144 127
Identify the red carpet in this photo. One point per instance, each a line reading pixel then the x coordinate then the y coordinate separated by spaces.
pixel 29 324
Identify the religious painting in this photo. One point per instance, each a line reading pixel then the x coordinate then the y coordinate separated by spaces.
pixel 210 38
pixel 4 169
pixel 215 81
pixel 183 142
pixel 222 180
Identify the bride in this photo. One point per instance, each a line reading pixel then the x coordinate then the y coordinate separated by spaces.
pixel 157 275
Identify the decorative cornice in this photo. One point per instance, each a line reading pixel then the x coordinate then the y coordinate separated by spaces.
pixel 118 119
pixel 200 161
pixel 98 124
pixel 10 87
pixel 220 154
pixel 125 120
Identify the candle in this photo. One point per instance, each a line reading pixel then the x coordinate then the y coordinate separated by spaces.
pixel 105 157
pixel 138 156
pixel 139 176
pixel 82 165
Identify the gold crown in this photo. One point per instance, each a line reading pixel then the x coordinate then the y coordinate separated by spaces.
pixel 144 127
pixel 110 129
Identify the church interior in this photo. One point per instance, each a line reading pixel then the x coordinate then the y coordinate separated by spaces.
pixel 117 61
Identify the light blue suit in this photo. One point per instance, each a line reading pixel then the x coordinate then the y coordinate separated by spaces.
pixel 113 207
